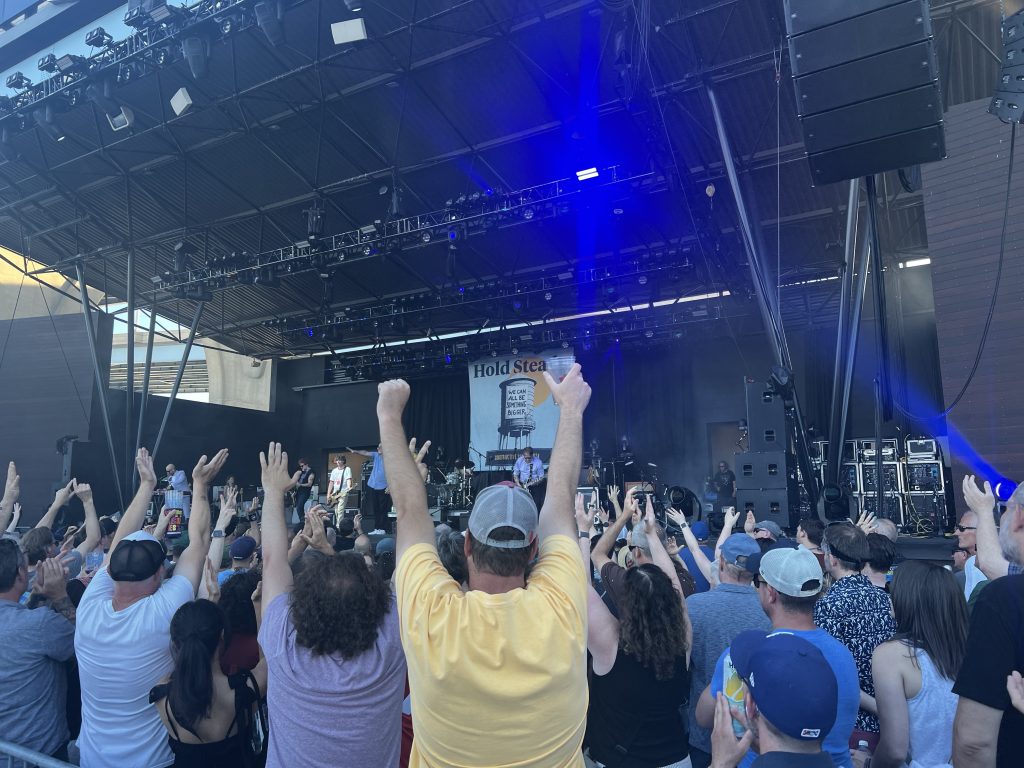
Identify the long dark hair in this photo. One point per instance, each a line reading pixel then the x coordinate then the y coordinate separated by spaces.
pixel 652 625
pixel 931 613
pixel 196 633
pixel 236 602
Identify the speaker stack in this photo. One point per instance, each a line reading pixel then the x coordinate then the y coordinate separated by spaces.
pixel 867 85
pixel 766 475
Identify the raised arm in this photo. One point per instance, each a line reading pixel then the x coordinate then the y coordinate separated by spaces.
pixel 405 478
pixel 367 454
pixel 92 522
pixel 12 492
pixel 660 557
pixel 15 518
pixel 227 511
pixel 59 500
pixel 135 515
pixel 571 395
pixel 990 558
pixel 731 516
pixel 601 554
pixel 699 558
pixel 192 563
pixel 277 573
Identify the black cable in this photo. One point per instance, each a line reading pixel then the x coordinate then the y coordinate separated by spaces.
pixel 992 304
pixel 14 314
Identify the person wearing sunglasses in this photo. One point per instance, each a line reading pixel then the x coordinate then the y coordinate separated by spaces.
pixel 966 540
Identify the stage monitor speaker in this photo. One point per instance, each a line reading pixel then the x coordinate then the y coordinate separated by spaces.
pixel 893 477
pixel 769 469
pixel 777 504
pixel 766 418
pixel 866 82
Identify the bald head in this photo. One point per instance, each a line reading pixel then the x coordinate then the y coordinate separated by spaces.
pixel 886 528
pixel 965 532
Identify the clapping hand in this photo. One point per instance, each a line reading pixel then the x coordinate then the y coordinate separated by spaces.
pixel 650 525
pixel 144 464
pixel 731 516
pixel 50 581
pixel 204 473
pixel 317 536
pixel 12 488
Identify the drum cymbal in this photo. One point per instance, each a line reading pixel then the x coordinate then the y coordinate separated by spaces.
pixel 464 464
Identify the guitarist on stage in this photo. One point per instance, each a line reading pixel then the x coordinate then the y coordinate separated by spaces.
pixel 338 487
pixel 529 474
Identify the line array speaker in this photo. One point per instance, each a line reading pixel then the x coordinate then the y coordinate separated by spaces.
pixel 866 82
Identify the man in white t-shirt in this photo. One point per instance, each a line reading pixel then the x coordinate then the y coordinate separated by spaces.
pixel 122 634
pixel 338 487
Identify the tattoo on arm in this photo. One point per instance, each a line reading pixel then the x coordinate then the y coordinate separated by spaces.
pixel 65 608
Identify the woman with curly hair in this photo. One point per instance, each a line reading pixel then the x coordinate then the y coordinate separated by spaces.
pixel 641 661
pixel 331 640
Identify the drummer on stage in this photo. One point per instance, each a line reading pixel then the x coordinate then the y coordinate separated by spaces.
pixel 528 473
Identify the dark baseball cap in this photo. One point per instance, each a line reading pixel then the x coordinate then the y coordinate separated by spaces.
pixel 137 557
pixel 242 548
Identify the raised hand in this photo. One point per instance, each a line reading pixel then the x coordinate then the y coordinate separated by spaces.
pixel 82 490
pixel 749 523
pixel 631 505
pixel 317 536
pixel 650 525
pixel 144 464
pixel 866 521
pixel 572 393
pixel 205 471
pixel 391 397
pixel 274 470
pixel 60 498
pixel 1015 687
pixel 583 521
pixel 50 579
pixel 727 749
pixel 227 508
pixel 978 501
pixel 731 516
pixel 676 516
pixel 418 457
pixel 212 584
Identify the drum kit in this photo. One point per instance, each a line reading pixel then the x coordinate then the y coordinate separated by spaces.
pixel 451 488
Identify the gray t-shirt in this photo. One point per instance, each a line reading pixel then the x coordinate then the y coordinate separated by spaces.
pixel 330 710
pixel 33 682
pixel 717 617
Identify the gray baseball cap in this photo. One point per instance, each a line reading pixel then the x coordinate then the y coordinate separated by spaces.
pixel 503 506
pixel 794 572
pixel 771 526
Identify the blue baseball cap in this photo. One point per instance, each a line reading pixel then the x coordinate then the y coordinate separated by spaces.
pixel 790 680
pixel 700 530
pixel 738 550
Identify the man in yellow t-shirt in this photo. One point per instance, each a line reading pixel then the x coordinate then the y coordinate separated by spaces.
pixel 498 674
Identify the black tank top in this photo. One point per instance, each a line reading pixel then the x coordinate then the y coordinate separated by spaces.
pixel 228 752
pixel 636 720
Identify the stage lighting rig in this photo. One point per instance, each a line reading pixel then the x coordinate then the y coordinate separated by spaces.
pixel 18 82
pixel 99 38
pixel 47 63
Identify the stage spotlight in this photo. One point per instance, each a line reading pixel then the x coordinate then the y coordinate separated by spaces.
pixel 355 6
pixel 269 15
pixel 453 235
pixel 425 237
pixel 125 73
pixel 642 280
pixel 547 296
pixel 18 82
pixel 162 13
pixel 586 173
pixel 48 63
pixel 69 63
pixel 834 504
pixel 196 52
pixel 99 38
pixel 528 213
pixel 183 256
pixel 314 221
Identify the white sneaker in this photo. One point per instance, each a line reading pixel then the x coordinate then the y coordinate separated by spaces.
pixel 377 532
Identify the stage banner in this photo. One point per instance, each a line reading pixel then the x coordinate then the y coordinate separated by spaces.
pixel 511 406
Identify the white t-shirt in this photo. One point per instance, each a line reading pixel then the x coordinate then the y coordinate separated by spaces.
pixel 973 576
pixel 339 477
pixel 121 656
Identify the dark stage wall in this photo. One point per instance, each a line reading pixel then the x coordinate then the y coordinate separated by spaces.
pixel 964 197
pixel 46 392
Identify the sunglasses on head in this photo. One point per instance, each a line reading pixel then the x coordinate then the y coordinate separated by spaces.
pixel 964 528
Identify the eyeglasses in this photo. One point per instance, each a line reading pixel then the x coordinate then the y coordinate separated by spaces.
pixel 964 528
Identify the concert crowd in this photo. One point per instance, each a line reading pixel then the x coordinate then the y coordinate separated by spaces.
pixel 572 635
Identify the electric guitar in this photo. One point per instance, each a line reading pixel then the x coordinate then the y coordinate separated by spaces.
pixel 332 498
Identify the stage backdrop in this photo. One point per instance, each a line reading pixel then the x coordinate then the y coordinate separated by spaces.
pixel 511 406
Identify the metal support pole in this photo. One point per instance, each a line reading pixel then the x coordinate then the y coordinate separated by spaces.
pixel 129 401
pixel 101 392
pixel 177 378
pixel 879 480
pixel 881 315
pixel 842 330
pixel 145 382
pixel 763 291
pixel 857 306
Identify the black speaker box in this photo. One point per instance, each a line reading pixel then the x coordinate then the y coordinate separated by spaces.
pixel 866 84
pixel 766 418
pixel 771 469
pixel 777 504
pixel 892 507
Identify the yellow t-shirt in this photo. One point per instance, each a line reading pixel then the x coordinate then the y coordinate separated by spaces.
pixel 496 680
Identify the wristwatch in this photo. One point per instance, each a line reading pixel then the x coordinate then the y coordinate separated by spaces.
pixel 584 534
pixel 218 534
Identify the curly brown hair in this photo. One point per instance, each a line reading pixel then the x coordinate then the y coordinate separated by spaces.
pixel 338 605
pixel 652 625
